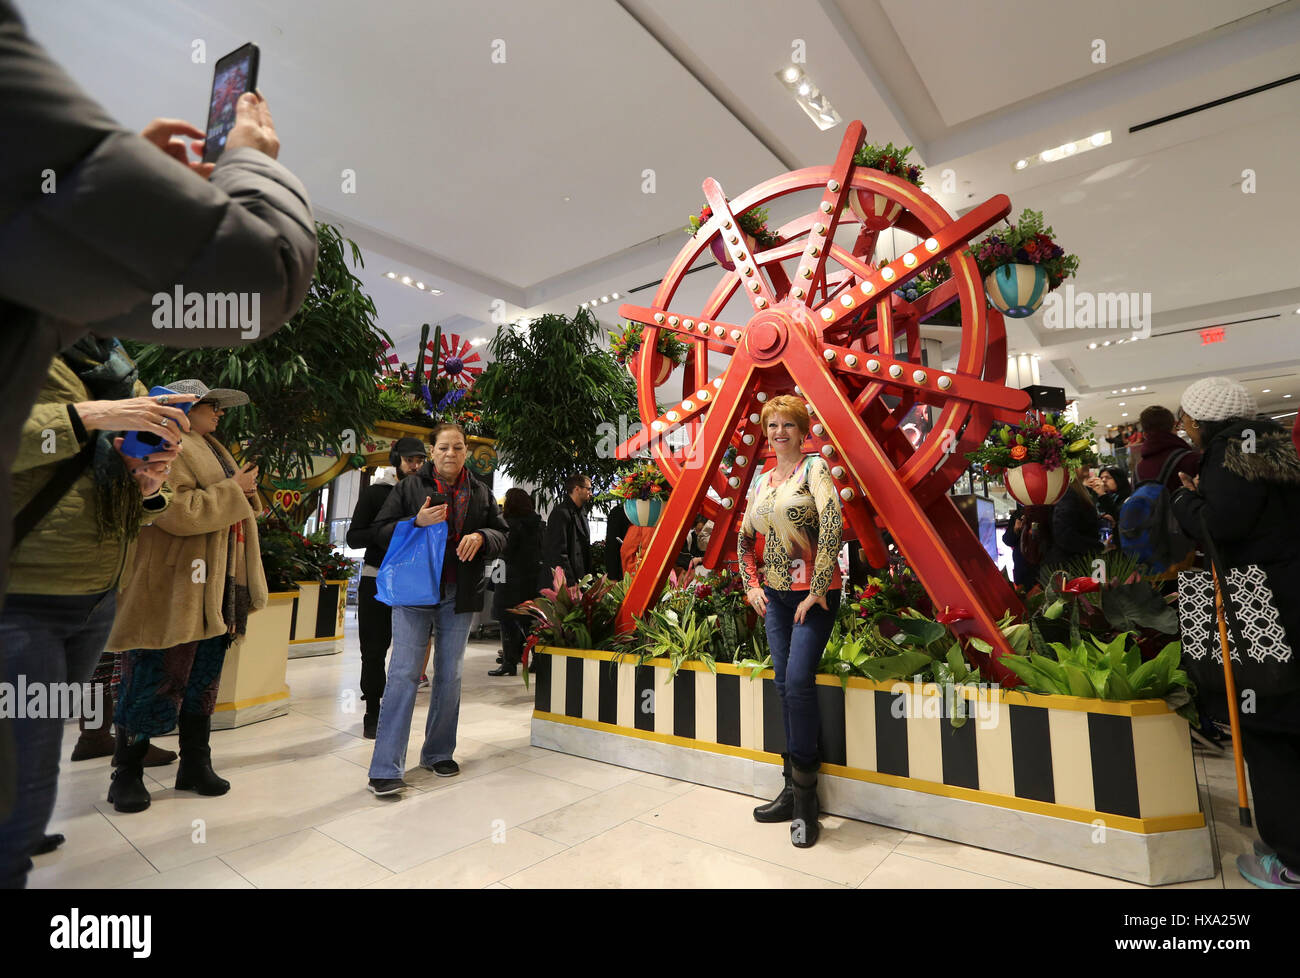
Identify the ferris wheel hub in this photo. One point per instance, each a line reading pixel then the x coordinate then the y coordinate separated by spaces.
pixel 768 334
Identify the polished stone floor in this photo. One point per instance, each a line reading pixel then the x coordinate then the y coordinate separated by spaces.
pixel 299 815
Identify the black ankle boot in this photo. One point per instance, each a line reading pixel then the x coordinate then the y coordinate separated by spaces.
pixel 780 808
pixel 127 791
pixel 503 670
pixel 804 828
pixel 195 771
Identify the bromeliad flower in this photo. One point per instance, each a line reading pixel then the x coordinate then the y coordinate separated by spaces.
pixel 1080 585
pixel 951 615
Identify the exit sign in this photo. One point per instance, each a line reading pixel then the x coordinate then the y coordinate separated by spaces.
pixel 1213 335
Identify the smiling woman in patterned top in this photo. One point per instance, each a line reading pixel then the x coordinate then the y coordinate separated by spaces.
pixel 795 507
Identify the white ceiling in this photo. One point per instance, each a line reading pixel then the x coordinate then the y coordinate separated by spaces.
pixel 462 163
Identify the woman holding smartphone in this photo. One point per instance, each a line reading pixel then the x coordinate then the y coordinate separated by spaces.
pixel 442 491
pixel 795 506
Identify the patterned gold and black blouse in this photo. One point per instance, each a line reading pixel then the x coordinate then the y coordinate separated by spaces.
pixel 801 525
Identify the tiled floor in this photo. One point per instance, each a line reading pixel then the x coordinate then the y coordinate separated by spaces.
pixel 299 815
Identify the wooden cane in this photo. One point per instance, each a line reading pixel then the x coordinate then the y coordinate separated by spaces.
pixel 1234 719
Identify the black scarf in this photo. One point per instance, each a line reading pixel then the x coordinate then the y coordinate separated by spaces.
pixel 109 375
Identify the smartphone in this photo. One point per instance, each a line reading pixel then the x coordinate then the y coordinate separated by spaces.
pixel 437 499
pixel 139 444
pixel 234 75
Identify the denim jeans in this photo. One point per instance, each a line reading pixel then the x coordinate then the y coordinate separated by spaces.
pixel 411 628
pixel 796 651
pixel 47 638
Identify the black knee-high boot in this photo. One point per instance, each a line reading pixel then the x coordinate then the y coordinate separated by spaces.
pixel 781 808
pixel 195 770
pixel 127 791
pixel 804 828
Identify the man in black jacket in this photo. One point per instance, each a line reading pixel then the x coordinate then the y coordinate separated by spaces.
pixel 96 222
pixel 374 618
pixel 616 527
pixel 568 537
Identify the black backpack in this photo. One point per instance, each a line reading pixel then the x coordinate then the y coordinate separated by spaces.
pixel 1147 527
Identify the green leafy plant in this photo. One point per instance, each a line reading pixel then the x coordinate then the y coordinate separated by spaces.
pixel 577 616
pixel 285 559
pixel 664 633
pixel 624 343
pixel 1049 439
pixel 1108 670
pixel 891 160
pixel 753 222
pixel 552 389
pixel 309 383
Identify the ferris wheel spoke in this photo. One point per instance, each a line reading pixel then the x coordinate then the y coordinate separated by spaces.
pixel 691 489
pixel 756 288
pixel 812 265
pixel 874 283
pixel 725 334
pixel 905 374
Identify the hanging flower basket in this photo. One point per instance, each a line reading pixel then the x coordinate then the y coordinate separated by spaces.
pixel 876 211
pixel 1021 263
pixel 661 364
pixel 1032 484
pixel 1017 290
pixel 719 249
pixel 753 227
pixel 643 512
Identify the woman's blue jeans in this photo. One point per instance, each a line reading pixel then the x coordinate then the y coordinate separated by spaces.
pixel 796 651
pixel 411 629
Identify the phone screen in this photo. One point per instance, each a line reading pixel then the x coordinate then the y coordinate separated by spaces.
pixel 235 74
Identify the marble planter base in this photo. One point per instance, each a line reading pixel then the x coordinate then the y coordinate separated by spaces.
pixel 1150 858
pixel 324 646
pixel 242 714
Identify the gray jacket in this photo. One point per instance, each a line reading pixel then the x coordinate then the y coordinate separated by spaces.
pixel 124 223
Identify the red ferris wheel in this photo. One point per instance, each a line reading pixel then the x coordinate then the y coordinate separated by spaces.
pixel 823 320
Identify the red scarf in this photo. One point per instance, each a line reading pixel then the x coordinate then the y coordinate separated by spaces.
pixel 459 495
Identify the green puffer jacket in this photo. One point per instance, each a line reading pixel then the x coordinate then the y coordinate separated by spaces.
pixel 63 553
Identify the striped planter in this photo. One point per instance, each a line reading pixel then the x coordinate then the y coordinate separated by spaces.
pixel 875 211
pixel 1048 777
pixel 317 627
pixel 662 367
pixel 719 249
pixel 1016 290
pixel 643 512
pixel 1032 485
pixel 252 685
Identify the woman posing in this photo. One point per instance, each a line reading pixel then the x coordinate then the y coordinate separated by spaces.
pixel 795 506
pixel 476 532
pixel 196 576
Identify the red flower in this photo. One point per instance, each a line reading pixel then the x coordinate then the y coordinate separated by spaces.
pixel 1081 585
pixel 951 615
pixel 870 591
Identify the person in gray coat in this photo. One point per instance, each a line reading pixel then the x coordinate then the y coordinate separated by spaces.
pixel 96 224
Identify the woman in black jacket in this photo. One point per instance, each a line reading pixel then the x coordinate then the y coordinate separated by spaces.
pixel 523 558
pixel 1075 526
pixel 1248 498
pixel 442 491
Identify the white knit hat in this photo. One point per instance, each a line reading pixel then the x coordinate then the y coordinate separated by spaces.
pixel 1217 399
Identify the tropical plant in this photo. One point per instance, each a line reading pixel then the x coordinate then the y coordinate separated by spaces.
pixel 577 616
pixel 1049 439
pixel 889 159
pixel 551 390
pixel 627 341
pixel 328 563
pixel 1026 242
pixel 1108 670
pixel 665 633
pixel 311 383
pixel 285 559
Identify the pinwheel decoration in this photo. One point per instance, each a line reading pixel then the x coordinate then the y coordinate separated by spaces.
pixel 454 359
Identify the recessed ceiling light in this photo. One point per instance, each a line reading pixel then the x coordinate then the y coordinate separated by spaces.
pixel 791 74
pixel 406 280
pixel 604 298
pixel 1092 346
pixel 1124 415
pixel 420 286
pixel 567 198
pixel 1071 148
pixel 1123 403
pixel 1021 164
pixel 391 274
pixel 614 296
pixel 1107 343
pixel 1114 392
pixel 1286 395
pixel 1267 390
pixel 814 103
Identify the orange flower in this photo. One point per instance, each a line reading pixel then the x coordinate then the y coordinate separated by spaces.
pixel 1050 429
pixel 1019 451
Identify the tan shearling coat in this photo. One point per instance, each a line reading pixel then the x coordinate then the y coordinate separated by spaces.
pixel 165 599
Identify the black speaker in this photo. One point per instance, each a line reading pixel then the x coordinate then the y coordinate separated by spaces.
pixel 1046 398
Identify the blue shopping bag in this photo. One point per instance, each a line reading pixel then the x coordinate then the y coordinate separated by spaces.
pixel 411 573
